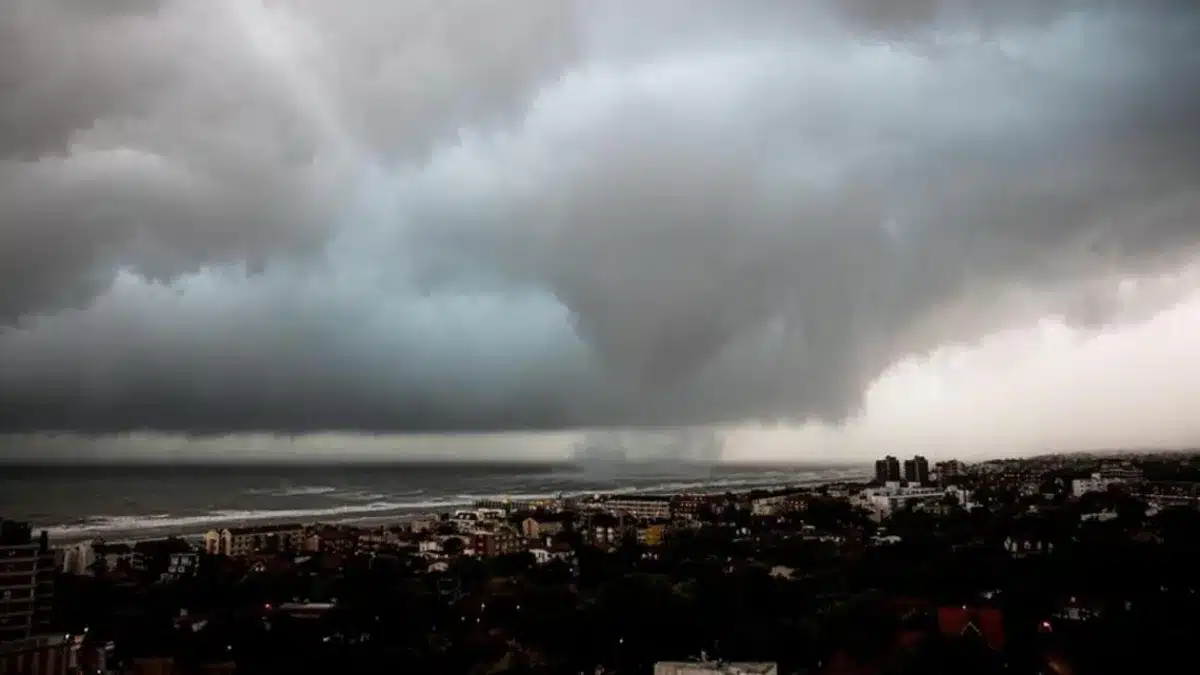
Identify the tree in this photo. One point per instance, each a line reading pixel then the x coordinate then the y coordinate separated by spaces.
pixel 453 546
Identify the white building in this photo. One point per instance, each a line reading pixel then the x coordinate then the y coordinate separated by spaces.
pixel 181 565
pixel 1097 483
pixel 79 558
pixel 643 507
pixel 1100 517
pixel 767 506
pixel 884 501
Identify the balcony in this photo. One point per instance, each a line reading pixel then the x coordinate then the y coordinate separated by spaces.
pixel 7 575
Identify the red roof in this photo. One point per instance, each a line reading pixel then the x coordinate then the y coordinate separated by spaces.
pixel 987 622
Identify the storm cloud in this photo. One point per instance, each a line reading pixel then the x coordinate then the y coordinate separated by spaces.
pixel 466 216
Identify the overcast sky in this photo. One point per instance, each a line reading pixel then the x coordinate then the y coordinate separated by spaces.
pixel 804 228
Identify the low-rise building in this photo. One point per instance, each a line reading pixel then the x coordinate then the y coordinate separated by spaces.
pixel 329 539
pixel 653 534
pixel 437 543
pixel 949 470
pixel 785 501
pixel 603 530
pixel 181 566
pixel 884 501
pixel 468 520
pixel 240 541
pixel 495 542
pixel 689 506
pixel 420 525
pixel 540 526
pixel 1123 472
pixel 40 655
pixel 707 667
pixel 1096 483
pixel 383 539
pixel 642 507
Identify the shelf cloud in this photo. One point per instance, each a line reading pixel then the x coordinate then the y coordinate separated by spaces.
pixel 229 217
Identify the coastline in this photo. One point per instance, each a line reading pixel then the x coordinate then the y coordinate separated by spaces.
pixel 143 528
pixel 196 535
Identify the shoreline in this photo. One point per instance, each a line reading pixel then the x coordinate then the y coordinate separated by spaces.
pixel 61 536
pixel 196 534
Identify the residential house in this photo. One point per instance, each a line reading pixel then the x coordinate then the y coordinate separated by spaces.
pixel 652 534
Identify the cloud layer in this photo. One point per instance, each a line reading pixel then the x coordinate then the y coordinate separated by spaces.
pixel 223 217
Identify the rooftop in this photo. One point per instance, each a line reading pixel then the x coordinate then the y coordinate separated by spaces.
pixel 724 668
pixel 265 529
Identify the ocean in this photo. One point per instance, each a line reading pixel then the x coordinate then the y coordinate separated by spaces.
pixel 129 501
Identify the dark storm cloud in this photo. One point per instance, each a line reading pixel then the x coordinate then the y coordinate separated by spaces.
pixel 472 215
pixel 166 136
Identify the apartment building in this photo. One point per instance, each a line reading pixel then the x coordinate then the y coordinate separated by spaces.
pixel 916 470
pixel 603 530
pixel 79 559
pixel 690 506
pixel 497 542
pixel 643 507
pixel 886 501
pixel 240 541
pixel 534 527
pixel 330 539
pixel 26 581
pixel 887 470
pixel 1096 483
pixel 950 469
pixel 781 502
